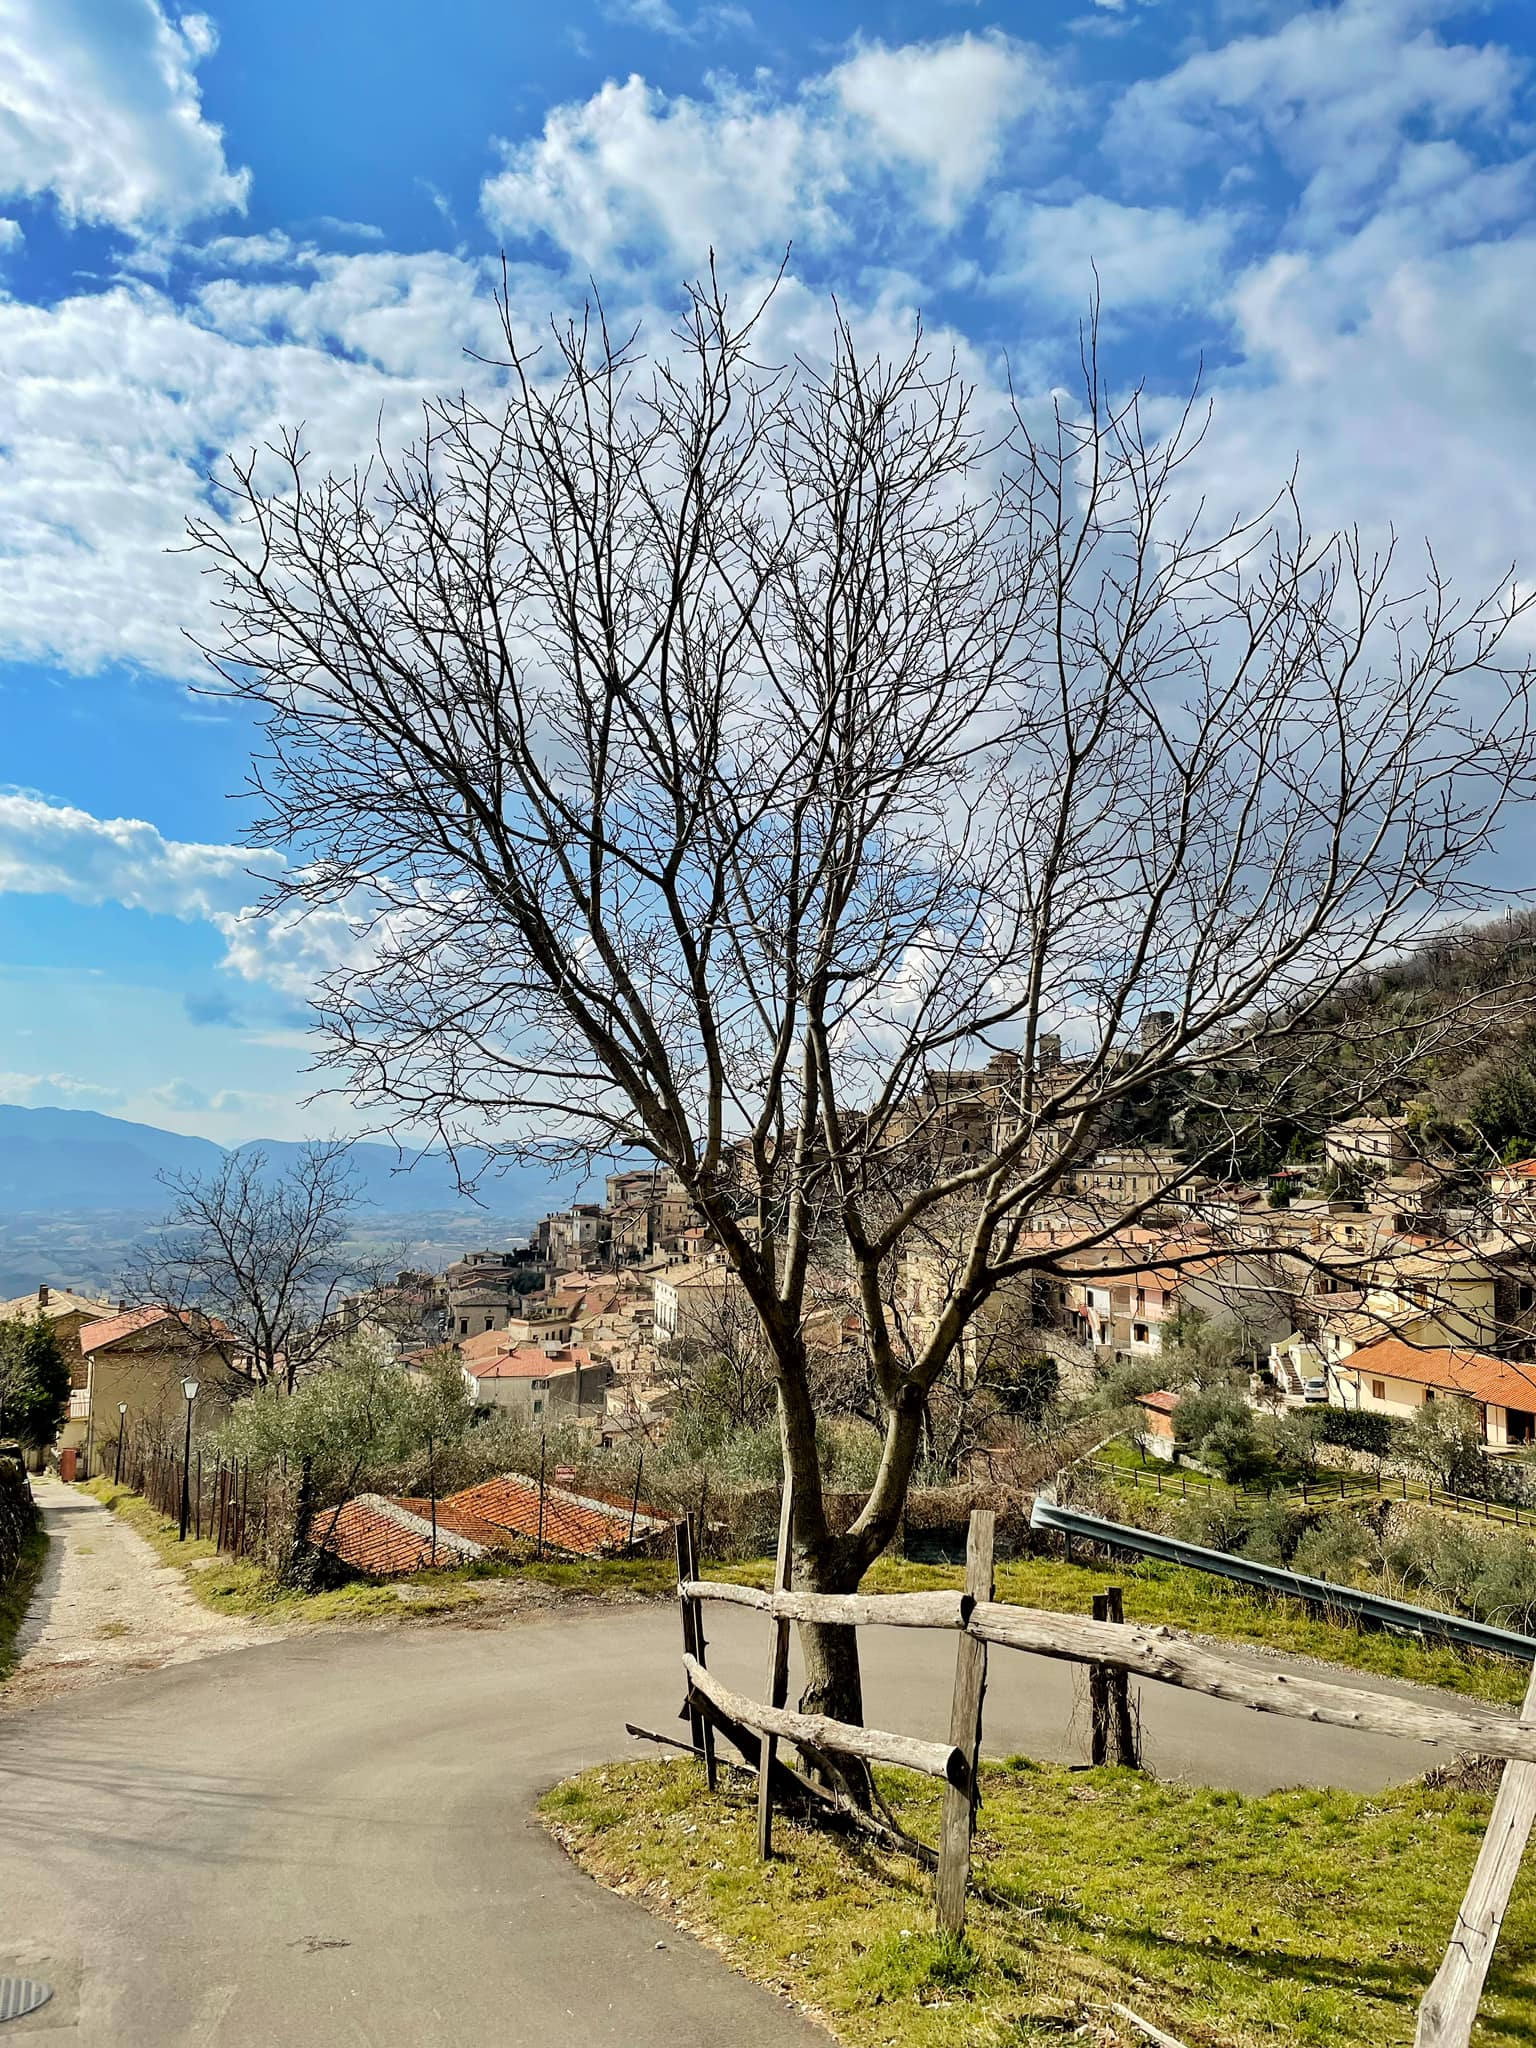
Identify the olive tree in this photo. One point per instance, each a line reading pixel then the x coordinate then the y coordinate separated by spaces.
pixel 782 771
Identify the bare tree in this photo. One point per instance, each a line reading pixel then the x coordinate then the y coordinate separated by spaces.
pixel 254 1258
pixel 757 766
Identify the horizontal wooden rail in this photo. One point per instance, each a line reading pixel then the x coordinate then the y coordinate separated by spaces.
pixel 933 1759
pixel 1171 1659
pixel 857 1610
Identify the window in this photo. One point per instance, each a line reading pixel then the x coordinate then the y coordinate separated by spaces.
pixel 489 1323
pixel 1378 1390
pixel 1527 1296
pixel 463 1326
pixel 538 1407
pixel 1139 1332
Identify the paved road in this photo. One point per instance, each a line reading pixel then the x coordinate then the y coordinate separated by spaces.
pixel 329 1841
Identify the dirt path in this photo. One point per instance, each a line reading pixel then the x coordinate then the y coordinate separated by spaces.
pixel 106 1604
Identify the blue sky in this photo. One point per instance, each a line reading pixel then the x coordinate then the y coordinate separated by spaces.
pixel 215 223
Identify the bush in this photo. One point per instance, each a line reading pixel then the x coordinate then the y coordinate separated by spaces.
pixel 1273 1532
pixel 1337 1547
pixel 1355 1429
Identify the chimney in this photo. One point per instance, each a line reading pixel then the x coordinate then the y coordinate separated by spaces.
pixel 42 1295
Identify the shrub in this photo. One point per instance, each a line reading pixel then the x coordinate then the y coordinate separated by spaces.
pixel 1339 1546
pixel 1355 1429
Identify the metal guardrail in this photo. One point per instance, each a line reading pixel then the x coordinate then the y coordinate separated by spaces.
pixel 1374 1607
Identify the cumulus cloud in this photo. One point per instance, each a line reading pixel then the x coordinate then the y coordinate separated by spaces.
pixel 57 1091
pixel 1142 255
pixel 1337 93
pixel 179 1095
pixel 56 850
pixel 636 173
pixel 100 107
pixel 116 404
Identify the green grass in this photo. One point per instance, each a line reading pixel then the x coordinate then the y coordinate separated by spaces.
pixel 1307 1918
pixel 1173 1595
pixel 16 1594
pixel 235 1585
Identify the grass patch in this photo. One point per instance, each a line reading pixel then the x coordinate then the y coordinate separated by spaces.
pixel 1302 1917
pixel 16 1594
pixel 1157 1593
pixel 237 1585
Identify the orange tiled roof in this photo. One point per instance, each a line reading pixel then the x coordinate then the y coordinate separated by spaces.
pixel 523 1361
pixel 113 1328
pixel 110 1331
pixel 385 1538
pixel 1476 1374
pixel 572 1522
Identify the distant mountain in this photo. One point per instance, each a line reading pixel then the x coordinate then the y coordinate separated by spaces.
pixel 79 1160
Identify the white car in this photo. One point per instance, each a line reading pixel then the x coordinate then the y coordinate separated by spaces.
pixel 1314 1389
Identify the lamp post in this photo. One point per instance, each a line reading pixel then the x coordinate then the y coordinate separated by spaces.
pixel 189 1389
pixel 122 1431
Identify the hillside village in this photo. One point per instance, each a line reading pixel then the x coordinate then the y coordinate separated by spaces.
pixel 1376 1280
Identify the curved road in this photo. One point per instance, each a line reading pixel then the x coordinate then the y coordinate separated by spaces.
pixel 329 1840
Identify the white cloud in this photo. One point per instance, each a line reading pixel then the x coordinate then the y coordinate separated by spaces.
pixel 10 234
pixel 180 1094
pixel 57 1091
pixel 945 108
pixel 1337 92
pixel 663 19
pixel 634 172
pixel 56 850
pixel 116 405
pixel 1144 255
pixel 1406 387
pixel 100 107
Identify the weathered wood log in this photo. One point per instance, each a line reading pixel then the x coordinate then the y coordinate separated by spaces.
pixel 1165 1656
pixel 1154 2034
pixel 855 1610
pixel 1449 2010
pixel 876 1745
pixel 959 1817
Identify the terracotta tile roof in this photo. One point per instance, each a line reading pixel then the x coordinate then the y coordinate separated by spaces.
pixel 1526 1168
pixel 1473 1373
pixel 574 1523
pixel 61 1302
pixel 112 1328
pixel 522 1361
pixel 1160 1402
pixel 385 1538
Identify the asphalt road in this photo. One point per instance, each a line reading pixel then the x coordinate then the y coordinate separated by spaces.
pixel 329 1840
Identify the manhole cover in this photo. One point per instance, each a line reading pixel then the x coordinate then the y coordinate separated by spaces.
pixel 20 1995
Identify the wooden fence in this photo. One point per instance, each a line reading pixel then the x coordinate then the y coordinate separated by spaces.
pixel 1114 1650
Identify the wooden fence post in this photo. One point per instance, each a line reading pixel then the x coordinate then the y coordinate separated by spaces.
pixel 1450 2005
pixel 1098 1695
pixel 1124 1746
pixel 959 1819
pixel 693 1646
pixel 778 1672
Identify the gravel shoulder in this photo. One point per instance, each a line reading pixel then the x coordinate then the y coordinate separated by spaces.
pixel 106 1605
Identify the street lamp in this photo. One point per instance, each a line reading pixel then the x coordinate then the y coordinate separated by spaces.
pixel 122 1430
pixel 189 1389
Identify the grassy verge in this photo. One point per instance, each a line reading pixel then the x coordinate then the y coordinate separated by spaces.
pixel 1301 1917
pixel 1169 1594
pixel 16 1595
pixel 235 1585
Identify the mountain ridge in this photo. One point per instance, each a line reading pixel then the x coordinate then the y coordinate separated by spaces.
pixel 85 1160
